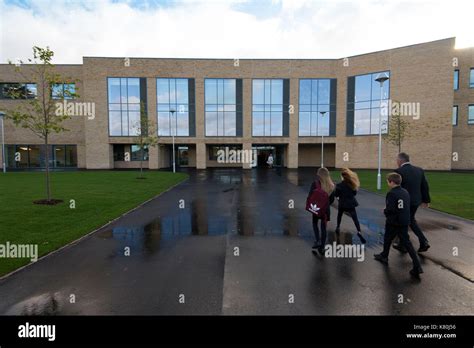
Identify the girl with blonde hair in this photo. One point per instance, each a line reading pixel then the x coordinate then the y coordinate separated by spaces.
pixel 327 185
pixel 346 191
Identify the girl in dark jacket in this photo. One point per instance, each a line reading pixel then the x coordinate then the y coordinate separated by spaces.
pixel 346 191
pixel 324 179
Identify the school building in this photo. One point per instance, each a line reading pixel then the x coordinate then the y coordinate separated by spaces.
pixel 287 107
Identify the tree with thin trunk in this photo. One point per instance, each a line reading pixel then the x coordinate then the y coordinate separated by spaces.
pixel 40 113
pixel 146 135
pixel 397 129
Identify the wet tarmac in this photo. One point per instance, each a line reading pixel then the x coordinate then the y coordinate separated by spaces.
pixel 231 241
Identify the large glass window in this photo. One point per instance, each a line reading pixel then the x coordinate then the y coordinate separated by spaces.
pixel 221 107
pixel 470 114
pixel 267 107
pixel 456 80
pixel 173 95
pixel 363 104
pixel 63 90
pixel 18 90
pixel 314 107
pixel 34 156
pixel 124 106
pixel 471 78
pixel 455 115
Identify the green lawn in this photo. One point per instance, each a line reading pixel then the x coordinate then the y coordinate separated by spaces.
pixel 450 192
pixel 100 196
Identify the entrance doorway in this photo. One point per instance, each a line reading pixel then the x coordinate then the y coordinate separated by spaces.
pixel 263 151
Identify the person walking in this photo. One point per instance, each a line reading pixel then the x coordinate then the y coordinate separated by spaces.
pixel 346 191
pixel 324 181
pixel 397 213
pixel 414 181
pixel 270 161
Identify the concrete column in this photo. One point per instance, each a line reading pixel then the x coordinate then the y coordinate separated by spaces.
pixel 153 157
pixel 152 116
pixel 199 90
pixel 294 123
pixel 247 109
pixel 200 156
pixel 292 155
pixel 247 147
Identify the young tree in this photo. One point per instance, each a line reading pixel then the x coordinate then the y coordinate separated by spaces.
pixel 397 129
pixel 39 114
pixel 146 135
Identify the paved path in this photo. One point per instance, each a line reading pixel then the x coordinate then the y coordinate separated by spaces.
pixel 190 255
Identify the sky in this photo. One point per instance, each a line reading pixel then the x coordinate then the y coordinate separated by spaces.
pixel 226 29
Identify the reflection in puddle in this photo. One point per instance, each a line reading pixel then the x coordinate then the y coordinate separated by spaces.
pixel 290 226
pixel 146 239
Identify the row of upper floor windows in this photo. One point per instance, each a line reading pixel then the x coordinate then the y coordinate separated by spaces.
pixel 456 79
pixel 15 90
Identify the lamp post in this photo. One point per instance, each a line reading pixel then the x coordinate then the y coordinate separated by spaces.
pixel 173 111
pixel 381 78
pixel 2 115
pixel 322 140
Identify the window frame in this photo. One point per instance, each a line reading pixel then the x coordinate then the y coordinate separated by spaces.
pixel 62 87
pixel 2 96
pixel 455 107
pixel 371 101
pixel 120 103
pixel 223 105
pixel 190 106
pixel 282 79
pixel 330 106
pixel 470 121
pixel 456 78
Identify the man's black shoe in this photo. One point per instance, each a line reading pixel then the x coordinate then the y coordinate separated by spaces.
pixel 423 248
pixel 400 248
pixel 381 258
pixel 416 273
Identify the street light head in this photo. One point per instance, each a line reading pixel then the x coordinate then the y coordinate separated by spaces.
pixel 381 78
pixel 323 113
pixel 172 111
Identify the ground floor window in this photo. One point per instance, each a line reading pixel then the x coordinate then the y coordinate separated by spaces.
pixel 34 156
pixel 129 152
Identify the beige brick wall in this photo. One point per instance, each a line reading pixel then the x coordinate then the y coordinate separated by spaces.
pixel 463 133
pixel 309 155
pixel 420 73
pixel 75 125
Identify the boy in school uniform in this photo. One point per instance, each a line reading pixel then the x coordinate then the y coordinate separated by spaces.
pixel 397 213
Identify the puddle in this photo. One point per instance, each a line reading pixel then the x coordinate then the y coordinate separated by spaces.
pixel 147 239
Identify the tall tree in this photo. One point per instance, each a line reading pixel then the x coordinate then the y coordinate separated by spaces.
pixel 40 114
pixel 146 135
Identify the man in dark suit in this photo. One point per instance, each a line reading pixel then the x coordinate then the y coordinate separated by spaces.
pixel 397 212
pixel 414 181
